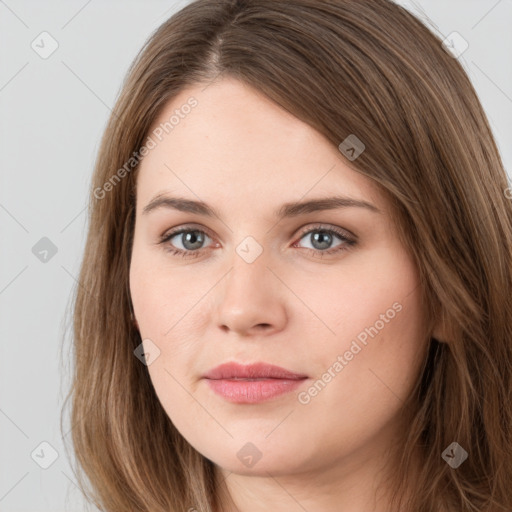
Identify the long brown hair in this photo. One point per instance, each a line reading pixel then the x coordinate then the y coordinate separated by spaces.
pixel 368 68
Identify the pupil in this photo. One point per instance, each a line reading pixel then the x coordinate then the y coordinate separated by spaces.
pixel 194 239
pixel 322 238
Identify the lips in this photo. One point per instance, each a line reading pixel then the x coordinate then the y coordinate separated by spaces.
pixel 253 371
pixel 253 383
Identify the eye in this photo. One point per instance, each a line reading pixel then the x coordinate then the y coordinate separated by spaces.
pixel 322 238
pixel 192 240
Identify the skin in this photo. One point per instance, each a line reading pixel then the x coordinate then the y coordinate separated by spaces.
pixel 245 156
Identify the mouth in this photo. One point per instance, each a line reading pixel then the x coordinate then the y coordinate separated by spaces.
pixel 252 383
pixel 234 370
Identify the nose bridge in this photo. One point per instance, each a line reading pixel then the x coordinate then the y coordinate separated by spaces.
pixel 249 270
pixel 249 296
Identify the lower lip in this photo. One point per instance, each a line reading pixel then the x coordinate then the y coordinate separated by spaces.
pixel 249 392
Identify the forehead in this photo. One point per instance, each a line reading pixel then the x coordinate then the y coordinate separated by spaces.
pixel 229 142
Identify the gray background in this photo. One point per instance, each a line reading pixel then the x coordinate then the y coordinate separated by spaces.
pixel 52 114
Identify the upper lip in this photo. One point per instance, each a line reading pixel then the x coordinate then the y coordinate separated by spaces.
pixel 251 371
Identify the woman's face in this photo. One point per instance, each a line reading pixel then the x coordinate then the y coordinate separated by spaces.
pixel 250 285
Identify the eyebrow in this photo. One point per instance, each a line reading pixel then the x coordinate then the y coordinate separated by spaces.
pixel 292 209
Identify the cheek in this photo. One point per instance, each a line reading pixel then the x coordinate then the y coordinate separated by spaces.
pixel 377 361
pixel 166 305
pixel 161 312
pixel 156 293
pixel 355 297
pixel 146 298
pixel 376 342
pixel 365 377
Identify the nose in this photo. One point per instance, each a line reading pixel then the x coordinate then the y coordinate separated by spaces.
pixel 251 299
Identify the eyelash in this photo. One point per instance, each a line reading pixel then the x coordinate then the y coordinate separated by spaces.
pixel 347 244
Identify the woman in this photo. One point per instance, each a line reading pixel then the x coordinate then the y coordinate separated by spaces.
pixel 220 363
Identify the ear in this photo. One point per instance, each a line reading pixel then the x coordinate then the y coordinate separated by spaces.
pixel 439 335
pixel 132 317
pixel 441 331
pixel 134 321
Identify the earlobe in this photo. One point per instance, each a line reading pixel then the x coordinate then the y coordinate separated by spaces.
pixel 132 316
pixel 135 323
pixel 440 332
pixel 439 336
